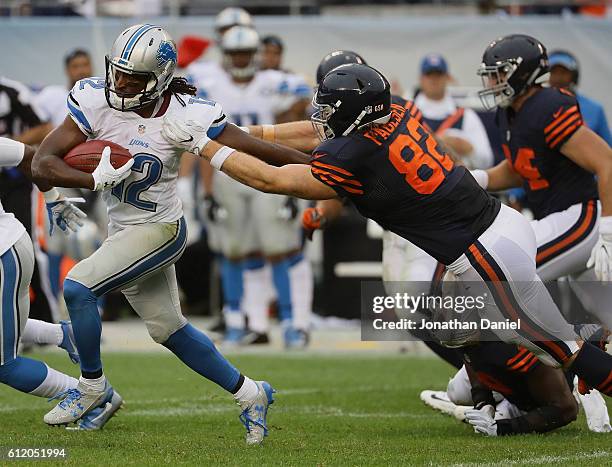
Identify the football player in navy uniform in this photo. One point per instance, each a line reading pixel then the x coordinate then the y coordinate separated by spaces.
pixel 555 157
pixel 378 156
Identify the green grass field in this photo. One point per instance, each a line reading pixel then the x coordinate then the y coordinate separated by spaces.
pixel 337 410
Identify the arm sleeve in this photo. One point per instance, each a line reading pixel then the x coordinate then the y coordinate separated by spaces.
pixel 561 118
pixel 332 172
pixel 208 113
pixel 79 106
pixel 539 420
pixel 11 152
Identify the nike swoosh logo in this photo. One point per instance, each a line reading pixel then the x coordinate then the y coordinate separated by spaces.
pixel 557 113
pixel 435 396
pixel 188 140
pixel 318 155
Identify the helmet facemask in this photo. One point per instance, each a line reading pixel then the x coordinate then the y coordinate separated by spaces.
pixel 238 72
pixel 500 93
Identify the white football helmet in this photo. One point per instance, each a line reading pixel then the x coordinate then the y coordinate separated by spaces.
pixel 229 17
pixel 240 39
pixel 143 50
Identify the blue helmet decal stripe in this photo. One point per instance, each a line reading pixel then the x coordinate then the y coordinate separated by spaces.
pixel 130 39
pixel 134 39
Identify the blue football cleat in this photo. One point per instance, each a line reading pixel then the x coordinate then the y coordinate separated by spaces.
pixel 254 413
pixel 98 417
pixel 68 343
pixel 76 403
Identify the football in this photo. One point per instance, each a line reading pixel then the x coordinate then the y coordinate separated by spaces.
pixel 86 156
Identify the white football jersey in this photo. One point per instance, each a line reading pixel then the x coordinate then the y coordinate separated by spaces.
pixel 149 193
pixel 257 102
pixel 11 229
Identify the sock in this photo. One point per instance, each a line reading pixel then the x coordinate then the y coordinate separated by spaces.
pixel 301 283
pixel 198 352
pixel 231 281
pixel 54 384
pixel 87 326
pixel 595 367
pixel 280 276
pixel 55 261
pixel 247 392
pixel 41 332
pixel 92 384
pixel 254 301
pixel 233 318
pixel 23 374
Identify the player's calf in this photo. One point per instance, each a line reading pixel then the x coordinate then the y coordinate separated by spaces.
pixel 594 366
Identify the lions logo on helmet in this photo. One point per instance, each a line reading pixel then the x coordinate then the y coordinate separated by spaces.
pixel 144 51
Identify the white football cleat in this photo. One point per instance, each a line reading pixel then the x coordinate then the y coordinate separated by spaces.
pixel 439 400
pixel 254 413
pixel 96 419
pixel 76 403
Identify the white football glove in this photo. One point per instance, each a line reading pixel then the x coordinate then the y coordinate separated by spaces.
pixel 106 176
pixel 601 256
pixel 62 212
pixel 189 135
pixel 483 420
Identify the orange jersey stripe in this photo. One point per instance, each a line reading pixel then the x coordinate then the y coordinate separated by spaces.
pixel 523 362
pixel 450 121
pixel 525 369
pixel 568 121
pixel 508 304
pixel 560 118
pixel 332 167
pixel 566 241
pixel 520 354
pixel 606 386
pixel 335 177
pixel 566 132
pixel 328 181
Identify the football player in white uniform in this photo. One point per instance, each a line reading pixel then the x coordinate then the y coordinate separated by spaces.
pixel 16 267
pixel 147 232
pixel 255 223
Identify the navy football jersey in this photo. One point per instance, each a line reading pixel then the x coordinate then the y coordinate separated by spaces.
pixel 532 139
pixel 504 368
pixel 397 175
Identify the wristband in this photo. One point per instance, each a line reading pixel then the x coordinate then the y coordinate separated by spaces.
pixel 220 156
pixel 481 177
pixel 268 133
pixel 605 225
pixel 51 195
pixel 11 152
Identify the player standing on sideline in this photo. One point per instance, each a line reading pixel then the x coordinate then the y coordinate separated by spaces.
pixel 378 156
pixel 460 129
pixel 564 73
pixel 257 227
pixel 16 266
pixel 147 231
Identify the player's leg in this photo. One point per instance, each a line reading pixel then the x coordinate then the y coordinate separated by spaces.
pixel 504 259
pixel 125 257
pixel 43 333
pixel 258 293
pixel 156 300
pixel 21 373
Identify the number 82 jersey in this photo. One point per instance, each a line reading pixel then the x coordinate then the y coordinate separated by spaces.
pixel 397 175
pixel 149 193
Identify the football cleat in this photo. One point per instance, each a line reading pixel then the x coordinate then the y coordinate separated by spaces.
pixel 75 403
pixel 295 338
pixel 68 343
pixel 254 413
pixel 98 417
pixel 439 400
pixel 255 338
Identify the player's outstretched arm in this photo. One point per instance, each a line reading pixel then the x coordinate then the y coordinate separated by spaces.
pixel 592 153
pixel 48 164
pixel 498 178
pixel 292 180
pixel 268 151
pixel 297 135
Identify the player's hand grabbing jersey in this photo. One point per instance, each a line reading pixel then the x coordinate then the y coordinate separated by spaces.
pixel 149 193
pixel 397 175
pixel 532 140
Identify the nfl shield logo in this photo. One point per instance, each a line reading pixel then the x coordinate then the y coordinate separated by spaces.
pixel 141 129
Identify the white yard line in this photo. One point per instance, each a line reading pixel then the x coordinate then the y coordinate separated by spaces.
pixel 543 459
